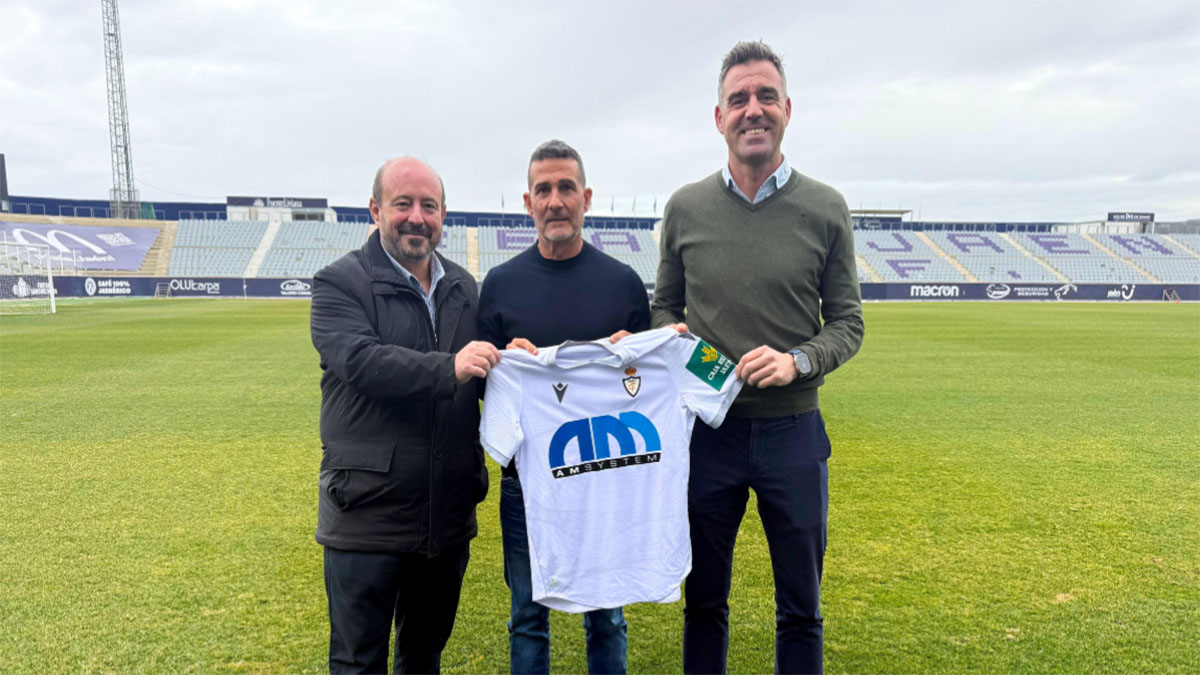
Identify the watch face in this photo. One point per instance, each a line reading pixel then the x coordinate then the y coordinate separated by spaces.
pixel 802 363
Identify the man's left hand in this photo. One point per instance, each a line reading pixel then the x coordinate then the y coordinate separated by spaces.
pixel 764 367
pixel 522 343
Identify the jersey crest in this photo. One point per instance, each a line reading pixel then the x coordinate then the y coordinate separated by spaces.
pixel 632 381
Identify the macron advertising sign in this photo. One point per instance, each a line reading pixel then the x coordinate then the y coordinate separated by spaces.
pixel 96 248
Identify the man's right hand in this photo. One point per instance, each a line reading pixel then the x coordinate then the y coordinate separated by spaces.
pixel 475 360
pixel 622 334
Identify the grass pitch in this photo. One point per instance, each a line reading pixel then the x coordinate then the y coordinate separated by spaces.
pixel 1014 487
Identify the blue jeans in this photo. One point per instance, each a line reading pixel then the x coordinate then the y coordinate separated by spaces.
pixel 784 460
pixel 529 625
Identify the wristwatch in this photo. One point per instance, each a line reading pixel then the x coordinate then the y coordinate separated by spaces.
pixel 803 365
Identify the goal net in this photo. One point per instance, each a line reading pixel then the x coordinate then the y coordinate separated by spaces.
pixel 27 278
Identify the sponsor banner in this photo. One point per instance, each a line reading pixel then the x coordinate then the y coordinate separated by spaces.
pixel 111 288
pixel 95 248
pixel 278 202
pixel 24 286
pixel 284 288
pixel 191 287
pixel 203 286
pixel 1130 217
pixel 104 287
pixel 116 287
pixel 1046 292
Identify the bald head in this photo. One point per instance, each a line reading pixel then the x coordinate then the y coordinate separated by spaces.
pixel 404 165
pixel 408 205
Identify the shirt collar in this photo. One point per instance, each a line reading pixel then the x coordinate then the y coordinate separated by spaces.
pixel 769 186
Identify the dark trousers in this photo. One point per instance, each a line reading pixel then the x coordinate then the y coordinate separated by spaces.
pixel 783 459
pixel 367 591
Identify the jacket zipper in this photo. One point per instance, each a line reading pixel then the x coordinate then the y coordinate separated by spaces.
pixel 433 425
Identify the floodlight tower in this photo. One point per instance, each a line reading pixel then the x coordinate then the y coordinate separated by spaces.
pixel 123 196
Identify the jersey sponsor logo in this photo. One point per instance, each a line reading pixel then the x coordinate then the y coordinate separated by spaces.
pixel 632 381
pixel 560 390
pixel 709 365
pixel 593 437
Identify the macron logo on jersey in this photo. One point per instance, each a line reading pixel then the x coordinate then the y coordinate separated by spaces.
pixel 592 436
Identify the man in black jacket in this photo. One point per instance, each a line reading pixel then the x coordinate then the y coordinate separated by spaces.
pixel 402 470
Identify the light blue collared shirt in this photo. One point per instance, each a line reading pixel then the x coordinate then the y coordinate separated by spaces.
pixel 436 272
pixel 769 186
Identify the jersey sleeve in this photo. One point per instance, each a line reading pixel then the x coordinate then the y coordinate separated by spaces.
pixel 500 426
pixel 705 378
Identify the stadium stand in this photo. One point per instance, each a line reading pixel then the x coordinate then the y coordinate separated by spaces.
pixel 959 244
pixel 1006 268
pixel 320 234
pixel 902 256
pixel 219 233
pixel 1164 260
pixel 903 252
pixel 216 248
pixel 634 247
pixel 1095 269
pixel 1191 241
pixel 454 244
pixel 1171 269
pixel 300 248
pixel 498 244
pixel 990 257
pixel 1078 258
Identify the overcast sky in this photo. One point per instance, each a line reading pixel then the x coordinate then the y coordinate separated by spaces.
pixel 1031 111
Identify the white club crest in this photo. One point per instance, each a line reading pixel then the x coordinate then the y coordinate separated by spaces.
pixel 632 382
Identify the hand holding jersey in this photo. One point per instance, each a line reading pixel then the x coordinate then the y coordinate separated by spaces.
pixel 600 434
pixel 764 367
pixel 522 343
pixel 760 367
pixel 475 359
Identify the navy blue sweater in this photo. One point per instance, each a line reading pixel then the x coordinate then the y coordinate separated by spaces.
pixel 590 296
pixel 547 302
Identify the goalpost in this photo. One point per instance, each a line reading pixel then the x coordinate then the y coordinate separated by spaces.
pixel 27 278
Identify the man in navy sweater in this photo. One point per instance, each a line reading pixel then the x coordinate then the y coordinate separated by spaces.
pixel 562 288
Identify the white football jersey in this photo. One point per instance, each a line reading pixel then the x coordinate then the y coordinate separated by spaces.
pixel 600 434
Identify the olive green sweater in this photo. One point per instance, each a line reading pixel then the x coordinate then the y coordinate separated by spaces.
pixel 779 273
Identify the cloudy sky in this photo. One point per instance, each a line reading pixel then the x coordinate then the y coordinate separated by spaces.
pixel 969 110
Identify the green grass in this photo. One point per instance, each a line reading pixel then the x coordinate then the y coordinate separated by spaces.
pixel 1014 487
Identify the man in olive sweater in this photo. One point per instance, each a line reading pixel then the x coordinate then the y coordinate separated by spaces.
pixel 769 281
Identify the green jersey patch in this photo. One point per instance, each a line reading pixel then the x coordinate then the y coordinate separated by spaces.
pixel 709 365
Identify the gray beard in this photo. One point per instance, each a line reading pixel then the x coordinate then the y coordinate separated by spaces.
pixel 397 251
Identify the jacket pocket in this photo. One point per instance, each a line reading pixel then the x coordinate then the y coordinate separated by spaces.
pixel 354 473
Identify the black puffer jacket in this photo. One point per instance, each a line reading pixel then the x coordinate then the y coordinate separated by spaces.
pixel 402 468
